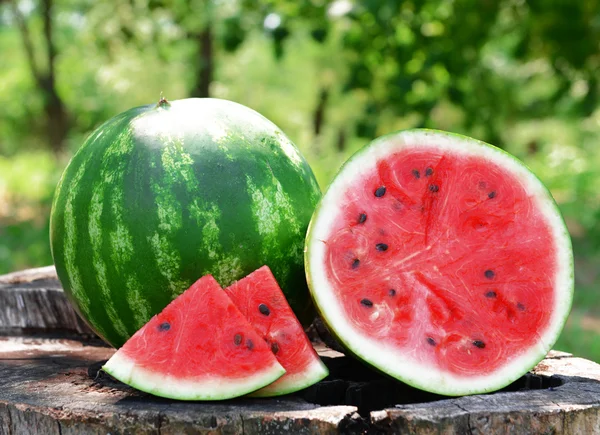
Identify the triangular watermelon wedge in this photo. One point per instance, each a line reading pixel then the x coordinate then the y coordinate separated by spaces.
pixel 200 347
pixel 260 299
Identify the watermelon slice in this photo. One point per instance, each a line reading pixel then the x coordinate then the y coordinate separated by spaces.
pixel 200 347
pixel 442 261
pixel 260 299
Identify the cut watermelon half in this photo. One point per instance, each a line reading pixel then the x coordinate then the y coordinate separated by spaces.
pixel 442 261
pixel 260 299
pixel 200 347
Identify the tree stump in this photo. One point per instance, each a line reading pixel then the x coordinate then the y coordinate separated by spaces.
pixel 50 383
pixel 32 301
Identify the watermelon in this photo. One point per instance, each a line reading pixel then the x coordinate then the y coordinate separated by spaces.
pixel 260 299
pixel 162 194
pixel 441 261
pixel 200 347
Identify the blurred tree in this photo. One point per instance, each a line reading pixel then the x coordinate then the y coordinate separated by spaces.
pixel 168 24
pixel 484 57
pixel 565 34
pixel 56 117
pixel 407 56
pixel 197 19
pixel 491 62
pixel 281 19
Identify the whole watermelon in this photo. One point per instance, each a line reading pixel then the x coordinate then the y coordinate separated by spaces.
pixel 163 194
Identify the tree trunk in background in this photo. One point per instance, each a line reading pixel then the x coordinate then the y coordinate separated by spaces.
pixel 319 113
pixel 590 101
pixel 56 117
pixel 205 62
pixel 57 126
pixel 341 140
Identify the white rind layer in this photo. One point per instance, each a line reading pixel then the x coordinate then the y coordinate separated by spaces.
pixel 211 387
pixel 315 372
pixel 387 358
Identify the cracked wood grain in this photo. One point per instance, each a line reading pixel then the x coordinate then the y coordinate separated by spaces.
pixel 33 301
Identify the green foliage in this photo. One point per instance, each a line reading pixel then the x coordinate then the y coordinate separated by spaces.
pixel 332 74
pixel 27 183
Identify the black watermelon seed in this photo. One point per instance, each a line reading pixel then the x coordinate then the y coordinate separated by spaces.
pixel 431 341
pixel 478 343
pixel 237 339
pixel 381 247
pixel 489 274
pixel 520 306
pixel 380 192
pixel 165 326
pixel 362 218
pixel 249 344
pixel 491 294
pixel 274 347
pixel 416 174
pixel 355 263
pixel 264 309
pixel 434 188
pixel 492 194
pixel 392 292
pixel 428 172
pixel 366 302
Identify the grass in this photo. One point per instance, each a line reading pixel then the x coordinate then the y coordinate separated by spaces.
pixel 27 183
pixel 581 335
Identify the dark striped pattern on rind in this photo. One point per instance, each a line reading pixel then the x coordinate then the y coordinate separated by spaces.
pixel 159 196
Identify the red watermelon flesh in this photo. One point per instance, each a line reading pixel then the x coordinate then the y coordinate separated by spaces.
pixel 200 347
pixel 445 252
pixel 261 300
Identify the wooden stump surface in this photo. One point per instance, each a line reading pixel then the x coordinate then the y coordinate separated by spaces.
pixel 33 301
pixel 50 383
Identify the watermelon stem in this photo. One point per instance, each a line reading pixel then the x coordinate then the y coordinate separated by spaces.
pixel 163 102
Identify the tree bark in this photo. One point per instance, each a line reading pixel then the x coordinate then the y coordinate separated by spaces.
pixel 341 140
pixel 27 43
pixel 57 126
pixel 33 302
pixel 319 113
pixel 56 117
pixel 205 62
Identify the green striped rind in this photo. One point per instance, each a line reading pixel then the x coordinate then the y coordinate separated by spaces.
pixel 159 196
pixel 388 360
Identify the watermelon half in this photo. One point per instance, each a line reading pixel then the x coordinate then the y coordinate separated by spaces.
pixel 260 299
pixel 200 347
pixel 442 261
